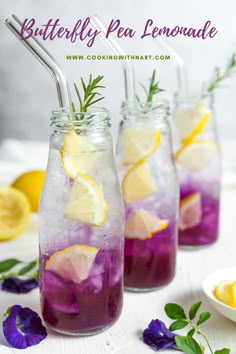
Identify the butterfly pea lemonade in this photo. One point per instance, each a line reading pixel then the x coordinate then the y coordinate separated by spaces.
pixel 198 162
pixel 81 226
pixel 150 193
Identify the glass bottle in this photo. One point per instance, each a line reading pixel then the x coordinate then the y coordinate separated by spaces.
pixel 150 188
pixel 81 226
pixel 199 168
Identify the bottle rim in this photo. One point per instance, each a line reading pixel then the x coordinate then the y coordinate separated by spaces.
pixel 157 110
pixel 97 118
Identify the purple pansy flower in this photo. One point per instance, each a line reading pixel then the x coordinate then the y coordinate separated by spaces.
pixel 23 327
pixel 158 336
pixel 17 285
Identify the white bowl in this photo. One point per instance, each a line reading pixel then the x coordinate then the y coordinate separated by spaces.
pixel 209 285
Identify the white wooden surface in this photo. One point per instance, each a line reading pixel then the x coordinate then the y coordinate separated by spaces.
pixel 139 309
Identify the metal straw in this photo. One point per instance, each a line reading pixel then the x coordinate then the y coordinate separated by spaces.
pixel 114 47
pixel 182 81
pixel 43 55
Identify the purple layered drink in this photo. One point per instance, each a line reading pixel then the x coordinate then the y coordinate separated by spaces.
pixel 199 170
pixel 150 192
pixel 71 305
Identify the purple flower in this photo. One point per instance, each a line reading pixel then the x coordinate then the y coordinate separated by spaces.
pixel 158 336
pixel 16 285
pixel 23 327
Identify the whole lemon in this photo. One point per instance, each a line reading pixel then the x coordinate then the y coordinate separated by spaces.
pixel 31 183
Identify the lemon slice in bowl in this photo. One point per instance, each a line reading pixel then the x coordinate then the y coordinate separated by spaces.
pixel 225 292
pixel 86 202
pixel 140 224
pixel 78 154
pixel 138 183
pixel 190 211
pixel 197 154
pixel 14 213
pixel 139 144
pixel 73 263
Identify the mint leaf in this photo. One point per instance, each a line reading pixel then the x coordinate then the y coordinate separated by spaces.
pixel 175 311
pixel 179 324
pixel 204 316
pixel 222 351
pixel 194 309
pixel 188 345
pixel 27 268
pixel 8 264
pixel 191 332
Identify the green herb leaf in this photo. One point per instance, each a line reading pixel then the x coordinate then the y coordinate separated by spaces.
pixel 204 316
pixel 222 351
pixel 89 92
pixel 27 268
pixel 175 311
pixel 191 332
pixel 194 309
pixel 152 90
pixel 8 264
pixel 218 77
pixel 188 345
pixel 179 324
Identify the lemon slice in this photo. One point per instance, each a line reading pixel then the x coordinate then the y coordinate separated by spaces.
pixel 141 225
pixel 73 263
pixel 138 183
pixel 31 184
pixel 86 202
pixel 190 211
pixel 196 155
pixel 14 213
pixel 188 119
pixel 225 292
pixel 198 129
pixel 78 154
pixel 139 144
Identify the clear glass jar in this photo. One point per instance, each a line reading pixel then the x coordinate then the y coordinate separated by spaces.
pixel 199 169
pixel 81 227
pixel 150 188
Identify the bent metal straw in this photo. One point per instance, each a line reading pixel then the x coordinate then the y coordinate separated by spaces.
pixel 114 47
pixel 43 55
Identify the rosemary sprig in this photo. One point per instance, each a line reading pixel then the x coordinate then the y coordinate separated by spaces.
pixel 152 90
pixel 218 77
pixel 89 93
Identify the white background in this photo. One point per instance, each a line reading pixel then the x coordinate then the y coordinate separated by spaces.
pixel 28 94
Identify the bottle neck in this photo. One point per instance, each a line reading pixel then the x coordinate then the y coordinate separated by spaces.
pixel 196 101
pixel 146 113
pixel 96 121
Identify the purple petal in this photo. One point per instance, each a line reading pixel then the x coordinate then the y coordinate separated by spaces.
pixel 23 327
pixel 19 286
pixel 158 336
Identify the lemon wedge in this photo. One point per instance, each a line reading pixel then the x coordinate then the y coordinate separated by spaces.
pixel 139 144
pixel 190 211
pixel 73 263
pixel 198 129
pixel 78 154
pixel 138 183
pixel 14 213
pixel 225 292
pixel 141 225
pixel 86 202
pixel 31 184
pixel 188 119
pixel 196 155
